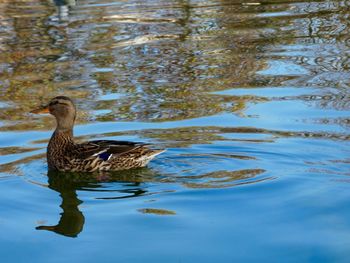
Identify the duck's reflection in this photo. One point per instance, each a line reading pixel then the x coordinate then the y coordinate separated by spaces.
pixel 63 7
pixel 129 184
pixel 72 219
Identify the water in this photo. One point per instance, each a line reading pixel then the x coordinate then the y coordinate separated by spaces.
pixel 251 99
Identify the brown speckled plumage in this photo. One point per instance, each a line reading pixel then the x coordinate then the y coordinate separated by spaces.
pixel 63 154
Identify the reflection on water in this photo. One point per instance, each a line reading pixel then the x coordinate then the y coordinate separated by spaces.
pixel 133 184
pixel 165 58
pixel 72 219
pixel 63 7
pixel 251 99
pixel 157 211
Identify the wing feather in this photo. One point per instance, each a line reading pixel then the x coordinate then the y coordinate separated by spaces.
pixel 105 148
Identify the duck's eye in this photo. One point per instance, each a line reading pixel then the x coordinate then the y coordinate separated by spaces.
pixel 58 102
pixel 53 103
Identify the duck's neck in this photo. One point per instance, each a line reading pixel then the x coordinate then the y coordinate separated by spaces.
pixel 68 133
pixel 62 138
pixel 65 123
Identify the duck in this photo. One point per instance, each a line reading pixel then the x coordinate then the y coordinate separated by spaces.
pixel 65 155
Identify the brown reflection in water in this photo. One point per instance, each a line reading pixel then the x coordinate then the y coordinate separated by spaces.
pixel 206 135
pixel 321 40
pixel 29 60
pixel 224 179
pixel 13 167
pixel 157 211
pixel 164 60
pixel 15 150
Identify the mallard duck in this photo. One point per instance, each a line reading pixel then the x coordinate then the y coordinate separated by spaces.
pixel 63 154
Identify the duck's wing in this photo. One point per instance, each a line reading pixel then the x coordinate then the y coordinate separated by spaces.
pixel 104 149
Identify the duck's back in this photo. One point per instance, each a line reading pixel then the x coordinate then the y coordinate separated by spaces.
pixel 101 155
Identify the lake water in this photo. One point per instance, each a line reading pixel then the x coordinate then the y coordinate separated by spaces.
pixel 251 100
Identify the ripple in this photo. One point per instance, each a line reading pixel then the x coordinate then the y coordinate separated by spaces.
pixel 250 99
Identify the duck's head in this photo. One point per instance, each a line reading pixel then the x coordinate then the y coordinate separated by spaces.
pixel 63 109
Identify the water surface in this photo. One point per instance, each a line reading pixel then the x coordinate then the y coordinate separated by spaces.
pixel 251 99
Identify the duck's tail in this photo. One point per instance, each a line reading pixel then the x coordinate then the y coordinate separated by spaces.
pixel 148 156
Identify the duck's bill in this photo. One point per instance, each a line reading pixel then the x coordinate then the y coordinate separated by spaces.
pixel 44 109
